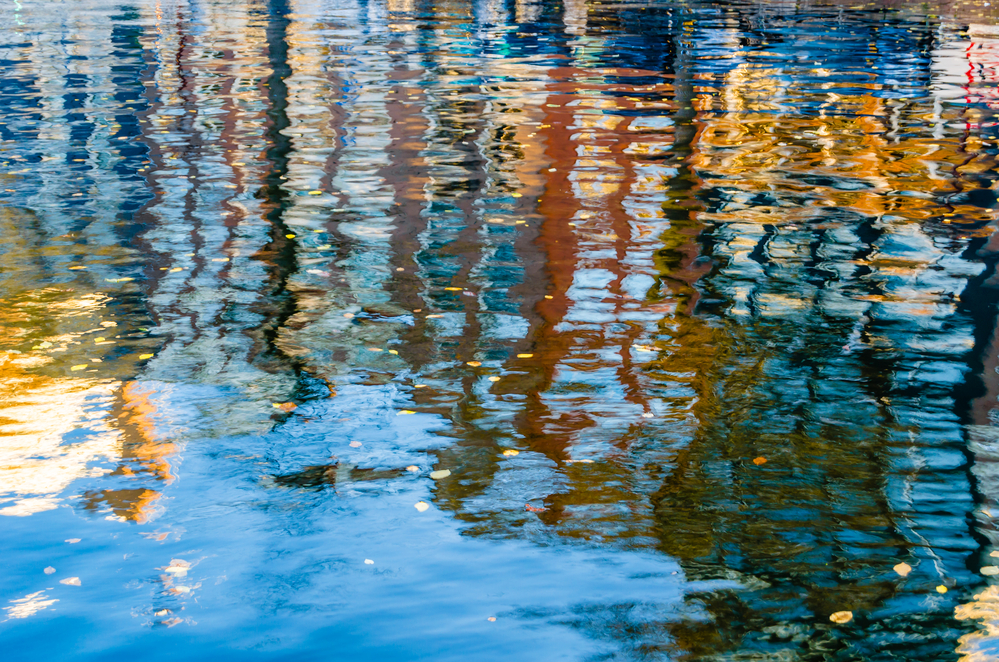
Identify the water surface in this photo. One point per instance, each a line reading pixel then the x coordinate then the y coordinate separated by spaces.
pixel 676 320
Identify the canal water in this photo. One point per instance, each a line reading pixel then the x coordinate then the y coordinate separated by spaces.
pixel 499 330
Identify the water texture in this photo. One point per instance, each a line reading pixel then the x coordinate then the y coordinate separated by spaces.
pixel 499 330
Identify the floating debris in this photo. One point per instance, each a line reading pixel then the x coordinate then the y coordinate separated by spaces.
pixel 841 617
pixel 440 473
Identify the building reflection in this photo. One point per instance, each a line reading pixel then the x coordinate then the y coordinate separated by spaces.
pixel 641 249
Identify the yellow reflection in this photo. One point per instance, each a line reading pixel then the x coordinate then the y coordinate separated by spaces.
pixel 36 415
pixel 980 646
pixel 64 416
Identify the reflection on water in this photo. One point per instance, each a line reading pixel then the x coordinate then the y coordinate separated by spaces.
pixel 681 319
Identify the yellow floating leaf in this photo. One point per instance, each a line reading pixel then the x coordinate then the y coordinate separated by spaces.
pixel 903 569
pixel 759 460
pixel 422 506
pixel 412 468
pixel 841 617
pixel 494 379
pixel 315 192
pixel 474 364
pixel 511 452
pixel 348 315
pixel 284 406
pixel 405 412
pixel 394 351
pixel 941 589
pixel 548 296
pixel 71 581
pixel 419 385
pixel 289 236
pixel 99 339
pixel 77 268
pixel 433 316
pixel 146 356
pixel 374 349
pixel 525 356
pixel 453 289
pixel 82 366
pixel 440 473
pixel 176 269
pixel 990 570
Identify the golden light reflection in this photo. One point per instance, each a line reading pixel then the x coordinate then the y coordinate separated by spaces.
pixel 37 413
pixel 980 646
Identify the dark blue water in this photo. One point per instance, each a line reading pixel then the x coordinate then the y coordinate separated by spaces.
pixel 570 330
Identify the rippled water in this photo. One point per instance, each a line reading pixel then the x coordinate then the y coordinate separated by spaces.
pixel 575 330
